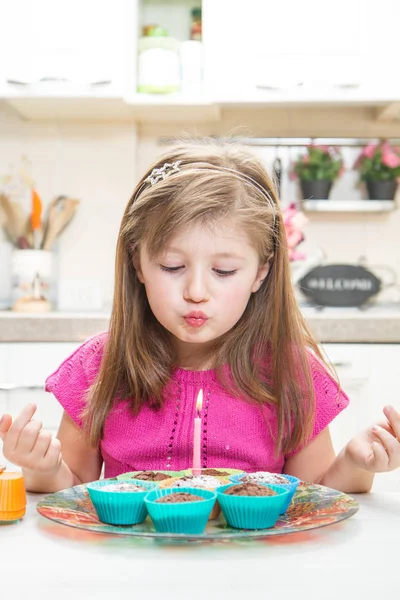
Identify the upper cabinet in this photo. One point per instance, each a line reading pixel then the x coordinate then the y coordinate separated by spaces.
pixel 299 52
pixel 88 60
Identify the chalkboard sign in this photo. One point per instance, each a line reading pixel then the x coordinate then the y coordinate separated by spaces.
pixel 339 285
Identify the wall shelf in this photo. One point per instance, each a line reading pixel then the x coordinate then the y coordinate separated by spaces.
pixel 348 206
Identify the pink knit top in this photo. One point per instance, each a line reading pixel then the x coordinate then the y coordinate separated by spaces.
pixel 235 433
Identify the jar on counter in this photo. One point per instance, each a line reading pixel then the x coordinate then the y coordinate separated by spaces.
pixel 158 63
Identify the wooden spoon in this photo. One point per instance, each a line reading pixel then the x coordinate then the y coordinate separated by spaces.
pixel 61 212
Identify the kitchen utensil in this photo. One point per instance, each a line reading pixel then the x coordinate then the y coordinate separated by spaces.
pixel 13 221
pixel 61 211
pixel 36 219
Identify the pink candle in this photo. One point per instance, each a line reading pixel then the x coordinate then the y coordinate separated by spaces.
pixel 197 436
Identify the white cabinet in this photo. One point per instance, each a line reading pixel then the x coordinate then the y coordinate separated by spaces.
pixel 24 368
pixel 297 50
pixel 370 376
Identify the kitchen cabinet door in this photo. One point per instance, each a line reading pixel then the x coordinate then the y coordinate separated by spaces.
pixel 27 365
pixel 289 44
pixel 370 375
pixel 55 46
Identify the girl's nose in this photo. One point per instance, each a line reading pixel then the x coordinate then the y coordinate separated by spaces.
pixel 196 288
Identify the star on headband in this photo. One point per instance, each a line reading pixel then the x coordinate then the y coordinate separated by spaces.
pixel 163 172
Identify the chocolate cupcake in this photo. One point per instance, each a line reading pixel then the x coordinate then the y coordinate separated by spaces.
pixel 154 475
pixel 205 482
pixel 251 505
pixel 179 497
pixel 249 489
pixel 287 481
pixel 180 510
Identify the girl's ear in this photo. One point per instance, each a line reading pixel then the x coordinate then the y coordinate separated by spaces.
pixel 138 269
pixel 261 275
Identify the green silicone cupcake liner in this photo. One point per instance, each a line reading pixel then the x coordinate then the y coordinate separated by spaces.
pixel 182 517
pixel 131 475
pixel 252 512
pixel 119 508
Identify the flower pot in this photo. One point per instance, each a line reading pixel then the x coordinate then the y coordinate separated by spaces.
pixel 316 190
pixel 381 190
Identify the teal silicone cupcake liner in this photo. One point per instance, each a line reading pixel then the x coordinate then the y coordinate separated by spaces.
pixel 182 517
pixel 291 486
pixel 131 475
pixel 252 512
pixel 119 507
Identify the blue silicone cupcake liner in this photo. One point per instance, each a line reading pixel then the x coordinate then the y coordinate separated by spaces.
pixel 252 512
pixel 182 517
pixel 119 508
pixel 291 486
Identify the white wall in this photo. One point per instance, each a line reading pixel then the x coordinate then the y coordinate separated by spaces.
pixel 95 163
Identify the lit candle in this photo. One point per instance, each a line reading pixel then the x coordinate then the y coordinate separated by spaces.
pixel 197 436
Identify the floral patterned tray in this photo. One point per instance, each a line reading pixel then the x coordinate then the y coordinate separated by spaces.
pixel 312 506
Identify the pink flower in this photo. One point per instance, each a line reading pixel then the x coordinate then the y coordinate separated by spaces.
pixel 369 150
pixel 305 159
pixel 389 158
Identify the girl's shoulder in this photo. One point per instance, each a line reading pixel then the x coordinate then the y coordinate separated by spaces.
pixel 81 367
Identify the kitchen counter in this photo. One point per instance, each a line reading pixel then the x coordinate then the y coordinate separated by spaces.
pixel 356 558
pixel 376 324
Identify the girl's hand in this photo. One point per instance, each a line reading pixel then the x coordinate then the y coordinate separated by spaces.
pixel 377 449
pixel 26 445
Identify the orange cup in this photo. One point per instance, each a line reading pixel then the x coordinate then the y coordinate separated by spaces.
pixel 12 496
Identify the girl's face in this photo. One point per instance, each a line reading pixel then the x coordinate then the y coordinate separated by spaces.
pixel 199 287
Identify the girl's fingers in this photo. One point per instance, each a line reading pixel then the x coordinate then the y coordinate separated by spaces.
pixel 18 425
pixel 40 448
pixel 28 438
pixel 394 420
pixel 5 424
pixel 379 459
pixel 388 441
pixel 53 454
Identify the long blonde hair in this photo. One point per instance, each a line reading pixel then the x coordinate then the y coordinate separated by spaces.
pixel 267 349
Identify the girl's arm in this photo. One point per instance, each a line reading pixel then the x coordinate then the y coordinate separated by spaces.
pixel 317 463
pixel 375 450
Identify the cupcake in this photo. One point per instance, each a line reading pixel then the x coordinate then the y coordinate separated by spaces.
pixel 287 481
pixel 119 502
pixel 220 472
pixel 155 475
pixel 180 510
pixel 206 482
pixel 251 505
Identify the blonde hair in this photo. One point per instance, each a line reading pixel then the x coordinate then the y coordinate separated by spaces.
pixel 267 349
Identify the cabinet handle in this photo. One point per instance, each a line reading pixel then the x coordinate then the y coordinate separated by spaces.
pixel 341 363
pixel 9 387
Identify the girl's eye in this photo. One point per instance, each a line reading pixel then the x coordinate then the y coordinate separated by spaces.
pixel 225 273
pixel 170 269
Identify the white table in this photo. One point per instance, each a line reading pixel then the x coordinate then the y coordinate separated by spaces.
pixel 357 558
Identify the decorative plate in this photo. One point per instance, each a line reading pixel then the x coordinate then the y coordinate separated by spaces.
pixel 312 506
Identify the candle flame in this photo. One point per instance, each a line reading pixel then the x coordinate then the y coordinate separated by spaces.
pixel 199 402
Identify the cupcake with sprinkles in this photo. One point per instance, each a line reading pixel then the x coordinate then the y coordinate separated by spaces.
pixel 120 502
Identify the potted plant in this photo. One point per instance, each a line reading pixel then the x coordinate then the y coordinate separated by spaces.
pixel 379 168
pixel 317 170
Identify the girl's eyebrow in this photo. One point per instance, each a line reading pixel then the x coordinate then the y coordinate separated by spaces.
pixel 218 255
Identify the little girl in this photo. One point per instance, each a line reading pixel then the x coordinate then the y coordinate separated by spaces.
pixel 203 300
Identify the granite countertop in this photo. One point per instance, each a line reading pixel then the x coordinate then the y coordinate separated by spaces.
pixel 376 324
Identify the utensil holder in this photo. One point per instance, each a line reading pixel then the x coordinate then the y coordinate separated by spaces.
pixel 33 280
